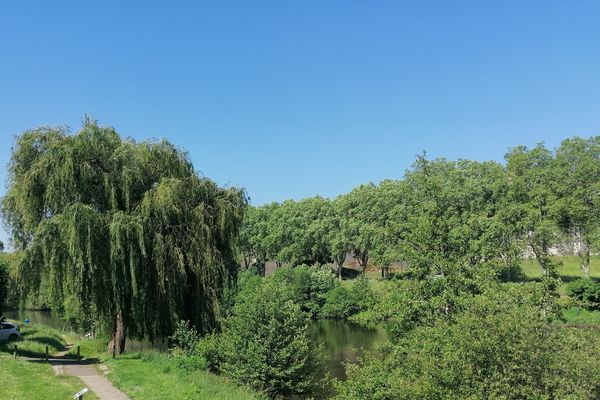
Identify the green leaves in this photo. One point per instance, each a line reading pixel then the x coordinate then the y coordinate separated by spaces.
pixel 499 346
pixel 117 227
pixel 267 345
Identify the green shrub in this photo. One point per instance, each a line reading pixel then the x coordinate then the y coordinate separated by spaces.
pixel 211 351
pixel 586 291
pixel 267 345
pixel 308 286
pixel 186 362
pixel 343 302
pixel 340 304
pixel 185 338
pixel 500 346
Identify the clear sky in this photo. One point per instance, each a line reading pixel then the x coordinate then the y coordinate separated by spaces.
pixel 295 98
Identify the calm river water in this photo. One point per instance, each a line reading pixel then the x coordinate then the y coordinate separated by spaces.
pixel 340 339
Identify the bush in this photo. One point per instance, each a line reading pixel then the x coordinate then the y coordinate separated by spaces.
pixel 343 303
pixel 586 291
pixel 186 362
pixel 211 351
pixel 499 347
pixel 308 286
pixel 185 338
pixel 267 346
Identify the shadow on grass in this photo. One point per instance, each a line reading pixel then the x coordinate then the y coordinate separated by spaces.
pixel 350 273
pixel 48 341
pixel 65 361
pixel 564 278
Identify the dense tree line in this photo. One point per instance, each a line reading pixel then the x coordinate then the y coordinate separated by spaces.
pixel 442 214
pixel 494 345
pixel 120 232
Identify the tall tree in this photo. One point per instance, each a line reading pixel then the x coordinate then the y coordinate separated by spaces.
pixel 128 230
pixel 337 240
pixel 533 199
pixel 578 175
pixel 449 214
pixel 357 208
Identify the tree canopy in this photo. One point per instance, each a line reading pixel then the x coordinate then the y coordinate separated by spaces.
pixel 444 214
pixel 127 231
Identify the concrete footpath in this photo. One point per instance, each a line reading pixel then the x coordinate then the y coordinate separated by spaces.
pixel 94 380
pixel 89 374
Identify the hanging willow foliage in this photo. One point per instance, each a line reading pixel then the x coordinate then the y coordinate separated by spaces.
pixel 129 230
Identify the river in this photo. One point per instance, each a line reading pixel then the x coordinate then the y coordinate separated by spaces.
pixel 339 339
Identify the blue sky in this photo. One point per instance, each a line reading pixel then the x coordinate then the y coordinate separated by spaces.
pixel 292 99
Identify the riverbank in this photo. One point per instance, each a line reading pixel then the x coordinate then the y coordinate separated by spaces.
pixel 25 379
pixel 21 379
pixel 144 375
pixel 152 375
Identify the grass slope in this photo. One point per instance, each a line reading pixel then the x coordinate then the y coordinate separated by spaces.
pixel 569 268
pixel 21 379
pixel 35 339
pixel 152 375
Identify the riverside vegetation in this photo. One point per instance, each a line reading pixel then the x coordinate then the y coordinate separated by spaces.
pixel 125 239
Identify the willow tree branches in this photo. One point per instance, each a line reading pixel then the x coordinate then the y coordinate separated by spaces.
pixel 127 231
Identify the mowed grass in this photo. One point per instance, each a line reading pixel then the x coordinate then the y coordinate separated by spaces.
pixel 577 315
pixel 20 379
pixel 155 376
pixel 569 268
pixel 35 339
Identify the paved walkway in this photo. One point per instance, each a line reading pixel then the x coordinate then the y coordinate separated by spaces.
pixel 88 373
pixel 94 381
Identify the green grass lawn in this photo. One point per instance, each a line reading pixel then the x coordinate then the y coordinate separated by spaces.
pixel 20 379
pixel 148 375
pixel 579 315
pixel 153 375
pixel 569 268
pixel 35 339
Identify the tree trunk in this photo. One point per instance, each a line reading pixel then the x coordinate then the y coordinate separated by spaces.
pixel 339 260
pixel 583 251
pixel 585 262
pixel 119 335
pixel 338 271
pixel 363 261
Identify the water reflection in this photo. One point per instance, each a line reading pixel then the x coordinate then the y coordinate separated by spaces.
pixel 340 339
pixel 37 318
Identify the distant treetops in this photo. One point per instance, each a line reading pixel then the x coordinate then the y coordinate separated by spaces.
pixel 121 231
pixel 444 213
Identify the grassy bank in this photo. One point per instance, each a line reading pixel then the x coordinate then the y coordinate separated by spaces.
pixel 154 376
pixel 35 339
pixel 21 379
pixel 577 315
pixel 148 375
pixel 569 268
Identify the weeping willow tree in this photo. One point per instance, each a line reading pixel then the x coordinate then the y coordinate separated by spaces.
pixel 127 231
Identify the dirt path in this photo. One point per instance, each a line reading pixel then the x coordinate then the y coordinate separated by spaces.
pixel 88 373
